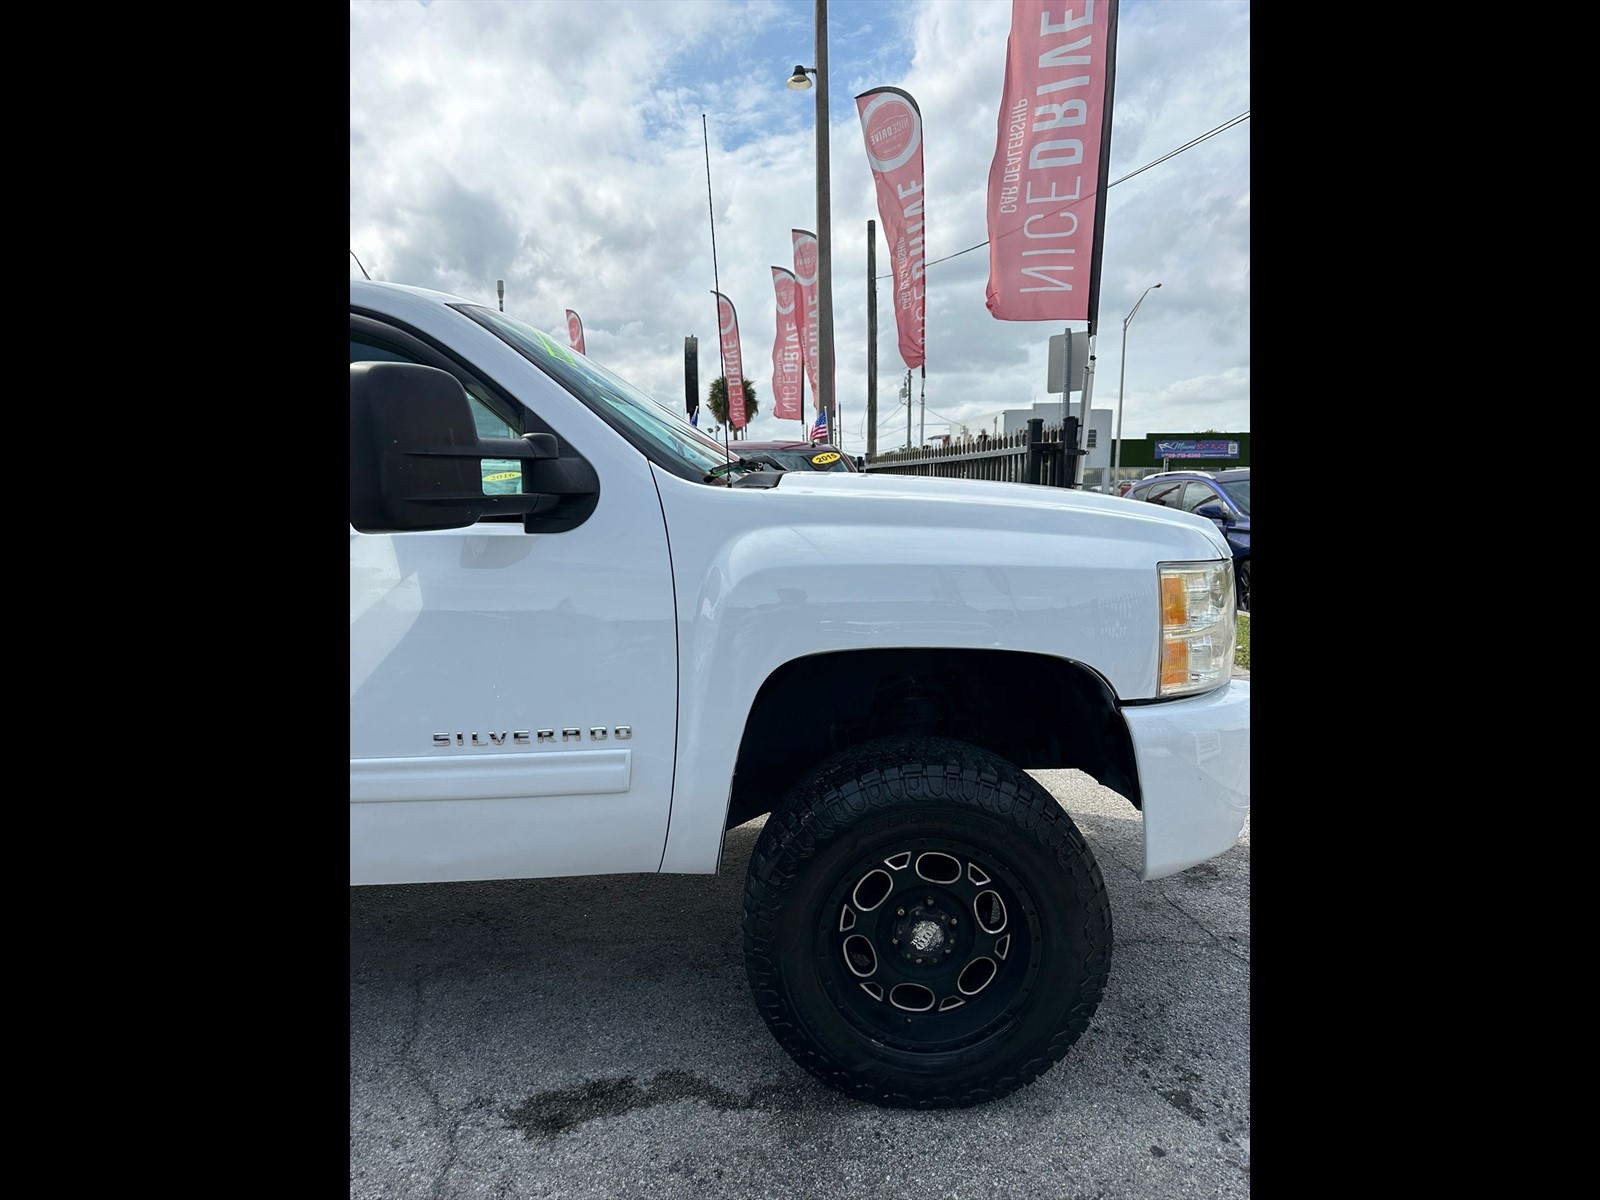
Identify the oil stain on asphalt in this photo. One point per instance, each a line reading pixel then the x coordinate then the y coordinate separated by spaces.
pixel 547 1114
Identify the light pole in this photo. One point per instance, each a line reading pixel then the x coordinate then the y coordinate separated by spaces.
pixel 1116 465
pixel 798 82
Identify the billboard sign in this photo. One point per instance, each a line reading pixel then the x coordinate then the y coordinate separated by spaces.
pixel 1218 449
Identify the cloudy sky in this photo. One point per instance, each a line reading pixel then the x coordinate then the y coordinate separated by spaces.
pixel 562 146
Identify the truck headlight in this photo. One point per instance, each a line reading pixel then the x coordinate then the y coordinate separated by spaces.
pixel 1198 626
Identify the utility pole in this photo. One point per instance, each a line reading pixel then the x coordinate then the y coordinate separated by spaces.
pixel 906 392
pixel 826 400
pixel 500 286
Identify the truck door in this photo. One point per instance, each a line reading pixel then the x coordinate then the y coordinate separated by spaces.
pixel 512 695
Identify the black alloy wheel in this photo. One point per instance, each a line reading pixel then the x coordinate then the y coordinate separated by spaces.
pixel 924 925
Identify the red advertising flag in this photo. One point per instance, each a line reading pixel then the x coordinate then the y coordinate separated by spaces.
pixel 732 366
pixel 1052 149
pixel 805 277
pixel 891 122
pixel 574 331
pixel 786 349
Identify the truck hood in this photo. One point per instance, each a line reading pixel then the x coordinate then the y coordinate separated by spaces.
pixel 976 504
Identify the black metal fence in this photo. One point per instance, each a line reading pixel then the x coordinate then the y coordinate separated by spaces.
pixel 1034 455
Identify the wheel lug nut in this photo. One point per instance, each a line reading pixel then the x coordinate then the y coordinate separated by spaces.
pixel 899 912
pixel 930 901
pixel 894 941
pixel 949 949
pixel 919 962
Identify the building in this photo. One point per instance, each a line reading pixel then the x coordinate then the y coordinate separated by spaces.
pixel 1015 420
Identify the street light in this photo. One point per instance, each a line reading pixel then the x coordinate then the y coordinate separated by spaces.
pixel 799 82
pixel 1116 465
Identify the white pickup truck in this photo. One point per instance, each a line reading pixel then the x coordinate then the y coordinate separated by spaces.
pixel 584 639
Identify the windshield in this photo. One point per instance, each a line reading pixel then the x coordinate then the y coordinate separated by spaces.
pixel 805 460
pixel 1239 492
pixel 661 426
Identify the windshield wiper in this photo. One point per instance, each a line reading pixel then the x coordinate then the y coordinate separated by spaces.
pixel 760 462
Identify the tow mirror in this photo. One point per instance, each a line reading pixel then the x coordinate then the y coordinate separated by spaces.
pixel 415 454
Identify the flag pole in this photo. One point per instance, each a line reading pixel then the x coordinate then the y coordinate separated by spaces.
pixel 1101 185
pixel 717 295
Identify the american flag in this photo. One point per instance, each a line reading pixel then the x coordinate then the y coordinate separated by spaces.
pixel 819 430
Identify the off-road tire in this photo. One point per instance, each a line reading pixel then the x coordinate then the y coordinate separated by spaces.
pixel 901 810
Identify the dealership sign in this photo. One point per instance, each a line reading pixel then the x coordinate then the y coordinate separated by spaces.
pixel 1197 449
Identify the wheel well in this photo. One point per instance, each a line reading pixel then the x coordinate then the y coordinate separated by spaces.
pixel 1033 710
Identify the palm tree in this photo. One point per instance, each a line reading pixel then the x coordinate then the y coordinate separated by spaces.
pixel 717 402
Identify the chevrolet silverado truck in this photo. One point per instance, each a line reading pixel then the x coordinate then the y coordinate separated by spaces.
pixel 585 638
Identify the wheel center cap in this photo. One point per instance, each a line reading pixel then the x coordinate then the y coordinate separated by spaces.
pixel 926 936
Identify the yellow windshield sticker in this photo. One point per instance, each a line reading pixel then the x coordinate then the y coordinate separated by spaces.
pixel 823 460
pixel 499 476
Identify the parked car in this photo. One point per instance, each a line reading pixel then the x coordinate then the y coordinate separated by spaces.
pixel 1127 485
pixel 797 455
pixel 1223 496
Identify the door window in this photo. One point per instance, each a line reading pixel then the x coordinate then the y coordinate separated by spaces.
pixel 1196 493
pixel 1165 494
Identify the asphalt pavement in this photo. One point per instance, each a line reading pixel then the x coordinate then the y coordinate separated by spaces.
pixel 595 1037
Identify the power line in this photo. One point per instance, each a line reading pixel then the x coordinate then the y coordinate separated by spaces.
pixel 886 416
pixel 1189 145
pixel 1226 125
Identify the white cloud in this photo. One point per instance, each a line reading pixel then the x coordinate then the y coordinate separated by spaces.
pixel 558 146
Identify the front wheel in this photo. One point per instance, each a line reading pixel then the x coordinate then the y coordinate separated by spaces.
pixel 924 925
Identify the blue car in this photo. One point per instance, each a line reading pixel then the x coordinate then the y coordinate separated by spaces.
pixel 1223 496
